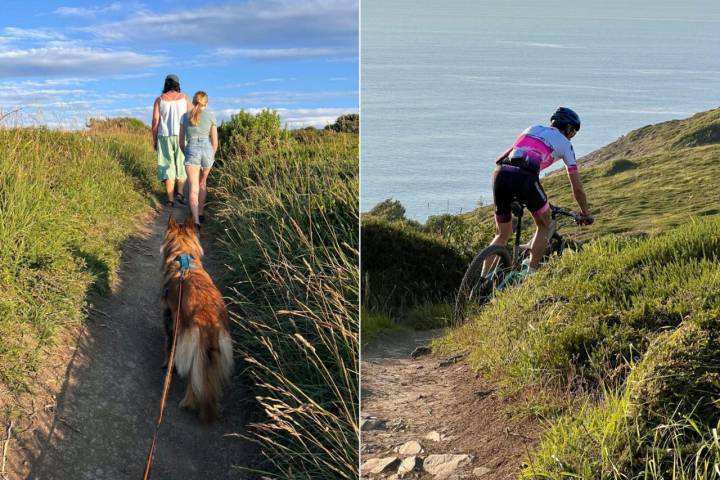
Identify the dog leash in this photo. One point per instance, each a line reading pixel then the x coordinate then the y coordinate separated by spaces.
pixel 184 266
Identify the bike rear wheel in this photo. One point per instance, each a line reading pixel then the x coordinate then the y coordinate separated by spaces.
pixel 476 288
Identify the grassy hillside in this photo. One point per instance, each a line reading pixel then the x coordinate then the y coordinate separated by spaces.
pixel 618 344
pixel 287 205
pixel 402 266
pixel 648 181
pixel 67 200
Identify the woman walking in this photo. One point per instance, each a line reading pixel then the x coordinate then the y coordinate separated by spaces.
pixel 167 112
pixel 199 142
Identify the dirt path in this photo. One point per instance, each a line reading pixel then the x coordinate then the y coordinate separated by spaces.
pixel 91 417
pixel 411 399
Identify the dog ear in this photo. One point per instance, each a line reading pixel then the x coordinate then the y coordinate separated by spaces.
pixel 172 224
pixel 189 222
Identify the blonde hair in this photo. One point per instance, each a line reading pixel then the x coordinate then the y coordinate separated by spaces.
pixel 200 101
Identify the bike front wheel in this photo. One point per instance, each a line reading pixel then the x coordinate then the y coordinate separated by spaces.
pixel 479 283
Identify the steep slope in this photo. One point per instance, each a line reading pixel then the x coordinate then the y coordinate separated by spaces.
pixel 617 344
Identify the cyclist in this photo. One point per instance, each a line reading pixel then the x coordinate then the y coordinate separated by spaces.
pixel 516 177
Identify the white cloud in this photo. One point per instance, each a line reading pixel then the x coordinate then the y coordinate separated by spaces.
pixel 37 34
pixel 252 24
pixel 72 61
pixel 92 12
pixel 297 117
pixel 277 53
pixel 272 98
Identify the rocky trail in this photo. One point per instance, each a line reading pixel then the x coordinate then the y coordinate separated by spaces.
pixel 434 418
pixel 91 414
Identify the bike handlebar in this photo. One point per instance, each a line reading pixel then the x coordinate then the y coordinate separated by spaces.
pixel 578 218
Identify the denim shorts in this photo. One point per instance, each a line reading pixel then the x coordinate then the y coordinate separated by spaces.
pixel 199 153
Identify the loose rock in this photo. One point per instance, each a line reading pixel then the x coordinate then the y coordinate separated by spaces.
pixel 442 466
pixel 377 466
pixel 372 423
pixel 420 351
pixel 410 464
pixel 449 361
pixel 410 448
pixel 480 471
pixel 434 436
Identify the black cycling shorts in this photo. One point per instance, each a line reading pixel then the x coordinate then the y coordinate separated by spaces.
pixel 511 183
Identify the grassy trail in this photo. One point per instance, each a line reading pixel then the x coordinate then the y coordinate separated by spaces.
pixel 96 418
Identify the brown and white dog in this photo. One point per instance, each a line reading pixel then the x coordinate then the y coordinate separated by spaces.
pixel 204 348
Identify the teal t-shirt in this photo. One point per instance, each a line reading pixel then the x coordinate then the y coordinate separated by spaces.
pixel 206 120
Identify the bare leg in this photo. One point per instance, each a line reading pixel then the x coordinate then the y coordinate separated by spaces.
pixel 193 173
pixel 181 186
pixel 169 189
pixel 502 235
pixel 204 174
pixel 540 240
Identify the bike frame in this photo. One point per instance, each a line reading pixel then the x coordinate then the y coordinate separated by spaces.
pixel 518 211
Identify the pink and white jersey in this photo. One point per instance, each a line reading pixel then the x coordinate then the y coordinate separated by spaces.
pixel 542 146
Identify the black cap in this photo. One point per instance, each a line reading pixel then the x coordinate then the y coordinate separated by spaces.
pixel 174 77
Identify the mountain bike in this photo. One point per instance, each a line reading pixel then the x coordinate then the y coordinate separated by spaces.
pixel 478 284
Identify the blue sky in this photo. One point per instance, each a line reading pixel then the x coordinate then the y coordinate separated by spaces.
pixel 62 62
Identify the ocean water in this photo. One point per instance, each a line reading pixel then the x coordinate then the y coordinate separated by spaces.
pixel 447 86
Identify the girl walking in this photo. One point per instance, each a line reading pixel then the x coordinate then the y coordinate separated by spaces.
pixel 167 112
pixel 199 142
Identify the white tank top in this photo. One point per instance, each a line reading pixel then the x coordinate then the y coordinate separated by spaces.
pixel 171 111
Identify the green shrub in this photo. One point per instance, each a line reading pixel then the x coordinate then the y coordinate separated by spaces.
pixel 402 267
pixel 390 210
pixel 466 233
pixel 348 123
pixel 246 135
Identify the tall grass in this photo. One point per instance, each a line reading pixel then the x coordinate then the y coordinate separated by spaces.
pixel 628 329
pixel 601 442
pixel 586 316
pixel 66 203
pixel 289 218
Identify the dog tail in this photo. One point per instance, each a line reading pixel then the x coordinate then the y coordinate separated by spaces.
pixel 208 359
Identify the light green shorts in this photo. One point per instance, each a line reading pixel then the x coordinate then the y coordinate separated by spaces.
pixel 170 159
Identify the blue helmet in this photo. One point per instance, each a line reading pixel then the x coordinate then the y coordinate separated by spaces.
pixel 564 116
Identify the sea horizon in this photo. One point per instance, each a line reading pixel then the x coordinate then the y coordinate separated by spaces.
pixel 446 88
